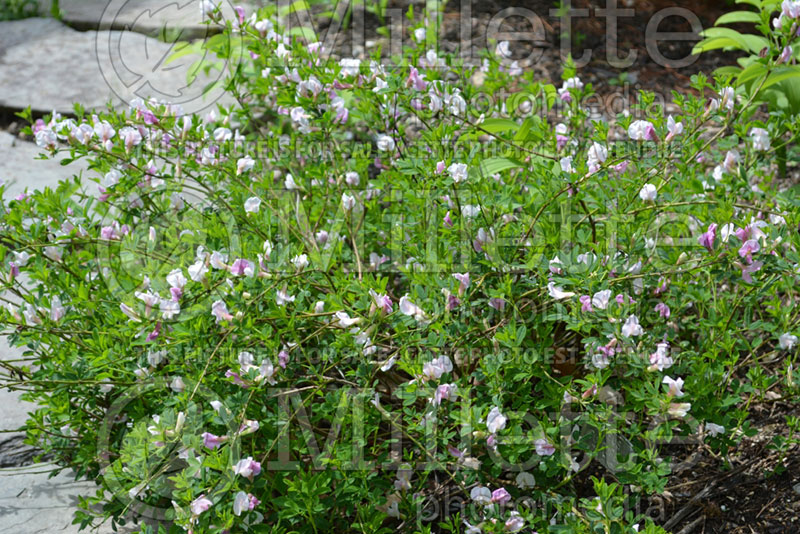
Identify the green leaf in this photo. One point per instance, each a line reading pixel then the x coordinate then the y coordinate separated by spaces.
pixel 727 71
pixel 752 43
pixel 781 74
pixel 738 16
pixel 494 165
pixel 498 125
pixel 713 44
pixel 753 71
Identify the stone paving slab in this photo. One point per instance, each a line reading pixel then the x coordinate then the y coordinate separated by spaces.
pixel 20 169
pixel 32 503
pixel 49 66
pixel 149 17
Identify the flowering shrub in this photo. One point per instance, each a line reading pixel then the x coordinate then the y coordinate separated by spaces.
pixel 368 298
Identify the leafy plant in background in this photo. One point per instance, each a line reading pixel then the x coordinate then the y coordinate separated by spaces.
pixel 361 293
pixel 18 9
pixel 769 73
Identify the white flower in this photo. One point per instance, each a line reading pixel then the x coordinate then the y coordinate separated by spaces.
pixel 470 211
pixel 503 50
pixel 715 429
pixel 289 183
pixel 218 260
pixel 558 293
pixel 787 341
pixel 495 421
pixel 252 205
pixel 348 202
pixel 600 360
pixel 566 164
pixel 661 359
pixel 352 179
pixel 673 127
pixel 385 143
pixel 409 308
pixel 641 131
pixel 169 308
pixel 555 265
pixel 717 173
pixel 197 271
pixel 177 385
pixel 481 495
pixel 282 297
pixel 434 369
pixel 675 386
pixel 760 138
pixel 300 261
pixel 380 84
pixel 595 156
pixel 601 298
pixel 419 34
pixel 679 409
pixel 648 193
pixel 525 480
pixel 728 98
pixel 458 171
pixel 21 258
pixel 350 66
pixel 155 358
pixel 632 327
pixel 241 503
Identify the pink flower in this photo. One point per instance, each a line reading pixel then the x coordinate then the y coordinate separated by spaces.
pixel 242 267
pixel 748 248
pixel 463 281
pixel 154 334
pixel 283 358
pixel 497 303
pixel 786 55
pixel 663 309
pixel 244 501
pixel 500 496
pixel 444 392
pixel 210 441
pixel 674 128
pixel 452 303
pixel 748 269
pixel 515 522
pixel 200 505
pixel 707 239
pixel 247 467
pixel 586 303
pixel 381 301
pixel 220 311
pixel 642 131
pixel 415 81
pixel 447 221
pixel 544 448
pixel 236 378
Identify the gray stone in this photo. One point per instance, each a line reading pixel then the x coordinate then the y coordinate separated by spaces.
pixel 20 169
pixel 14 412
pixel 32 503
pixel 49 66
pixel 149 17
